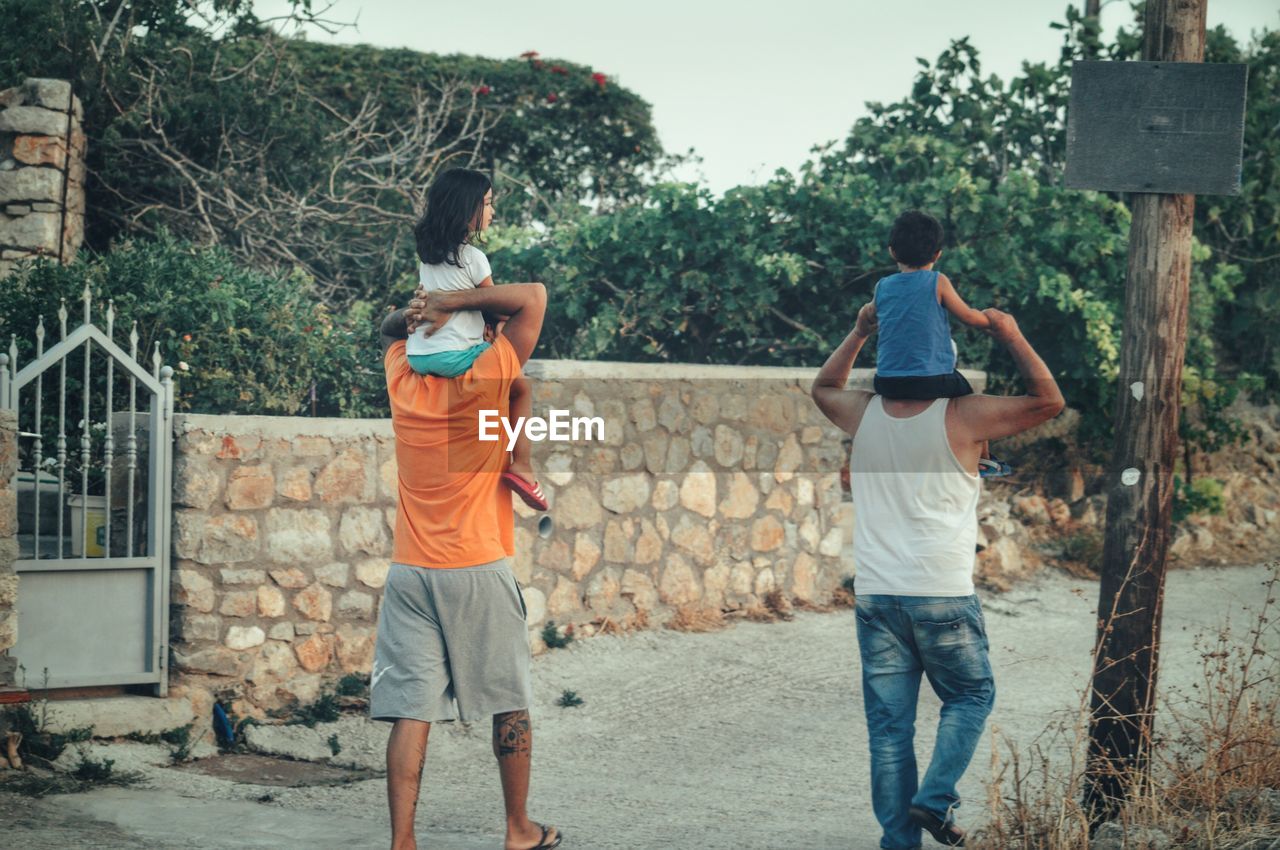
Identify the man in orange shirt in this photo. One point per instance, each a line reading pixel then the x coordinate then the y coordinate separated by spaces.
pixel 452 639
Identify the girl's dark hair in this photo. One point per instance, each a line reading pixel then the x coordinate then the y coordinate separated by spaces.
pixel 453 202
pixel 915 238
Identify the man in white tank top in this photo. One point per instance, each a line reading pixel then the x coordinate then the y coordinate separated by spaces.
pixel 913 473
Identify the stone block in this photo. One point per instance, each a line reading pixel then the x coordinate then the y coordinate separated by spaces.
pixel 36 230
pixel 564 600
pixel 666 495
pixel 314 602
pixel 346 478
pixel 586 554
pixel 298 536
pixel 238 447
pixel 113 717
pixel 648 548
pixel 281 631
pixel 275 662
pixel 35 120
pixel 196 484
pixel 251 488
pixel 228 539
pixel 8 589
pixel 355 604
pixel 40 150
pixel 353 646
pixel 640 589
pixel 295 484
pixel 679 585
pixel 270 601
pixel 215 661
pixel 625 493
pixel 241 603
pixel 197 627
pixel 741 499
pixel 372 572
pixel 48 93
pixel 617 540
pixel 335 575
pixel 535 605
pixel 767 534
pixel 728 446
pixel 242 576
pixel 554 556
pixel 698 490
pixel 695 538
pixel 362 531
pixel 244 637
pixel 577 507
pixel 314 653
pixel 292 578
pixel 192 589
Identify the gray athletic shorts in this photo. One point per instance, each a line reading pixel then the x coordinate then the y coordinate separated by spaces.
pixel 452 645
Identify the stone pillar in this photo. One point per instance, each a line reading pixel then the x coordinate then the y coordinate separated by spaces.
pixel 8 545
pixel 42 173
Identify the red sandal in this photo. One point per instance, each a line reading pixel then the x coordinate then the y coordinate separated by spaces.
pixel 531 494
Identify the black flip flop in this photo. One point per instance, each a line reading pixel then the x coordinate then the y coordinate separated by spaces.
pixel 542 844
pixel 942 831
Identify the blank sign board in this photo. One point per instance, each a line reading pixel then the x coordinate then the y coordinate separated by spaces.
pixel 1165 127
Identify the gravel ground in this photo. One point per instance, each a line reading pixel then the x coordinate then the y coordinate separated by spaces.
pixel 751 737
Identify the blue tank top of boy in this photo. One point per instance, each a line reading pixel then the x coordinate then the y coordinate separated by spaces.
pixel 914 336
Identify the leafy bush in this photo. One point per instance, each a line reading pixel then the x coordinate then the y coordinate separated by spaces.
pixel 241 341
pixel 1202 496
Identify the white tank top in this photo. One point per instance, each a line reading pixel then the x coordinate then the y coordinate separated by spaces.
pixel 915 506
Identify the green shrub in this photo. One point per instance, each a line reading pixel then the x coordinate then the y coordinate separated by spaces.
pixel 1204 496
pixel 554 638
pixel 240 341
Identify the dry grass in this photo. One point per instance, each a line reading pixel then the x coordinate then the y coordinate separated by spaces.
pixel 696 618
pixel 1212 762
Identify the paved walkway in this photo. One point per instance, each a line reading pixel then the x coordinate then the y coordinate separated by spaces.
pixel 747 738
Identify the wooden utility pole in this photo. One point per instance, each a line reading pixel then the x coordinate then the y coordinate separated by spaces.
pixel 1140 486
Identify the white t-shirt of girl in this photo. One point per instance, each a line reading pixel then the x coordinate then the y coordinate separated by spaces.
pixel 464 328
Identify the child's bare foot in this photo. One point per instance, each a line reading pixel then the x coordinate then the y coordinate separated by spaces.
pixel 519 477
pixel 524 469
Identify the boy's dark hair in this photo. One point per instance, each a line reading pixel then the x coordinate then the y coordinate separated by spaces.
pixel 453 202
pixel 916 238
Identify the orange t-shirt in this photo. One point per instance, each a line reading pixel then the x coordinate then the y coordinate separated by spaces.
pixel 454 510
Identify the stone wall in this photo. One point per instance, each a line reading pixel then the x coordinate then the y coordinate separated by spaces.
pixel 8 546
pixel 41 172
pixel 713 486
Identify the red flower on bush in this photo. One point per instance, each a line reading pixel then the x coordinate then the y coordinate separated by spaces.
pixel 556 69
pixel 553 97
pixel 529 54
pixel 482 90
pixel 537 63
pixel 599 78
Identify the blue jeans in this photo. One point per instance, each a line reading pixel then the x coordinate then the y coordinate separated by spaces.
pixel 901 637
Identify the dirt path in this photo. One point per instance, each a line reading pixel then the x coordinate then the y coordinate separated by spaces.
pixel 747 738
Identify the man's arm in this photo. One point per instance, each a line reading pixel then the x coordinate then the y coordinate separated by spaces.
pixel 843 407
pixel 986 417
pixel 956 306
pixel 394 328
pixel 524 303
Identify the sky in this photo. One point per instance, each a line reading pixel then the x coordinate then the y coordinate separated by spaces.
pixel 750 86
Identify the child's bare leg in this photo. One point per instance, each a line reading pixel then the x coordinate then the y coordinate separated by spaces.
pixel 521 406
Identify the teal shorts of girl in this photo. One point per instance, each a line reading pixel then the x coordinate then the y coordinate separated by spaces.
pixel 447 364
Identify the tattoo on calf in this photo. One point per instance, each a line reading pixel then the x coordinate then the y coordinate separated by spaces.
pixel 512 734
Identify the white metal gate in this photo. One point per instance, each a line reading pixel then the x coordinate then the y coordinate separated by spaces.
pixel 93 488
